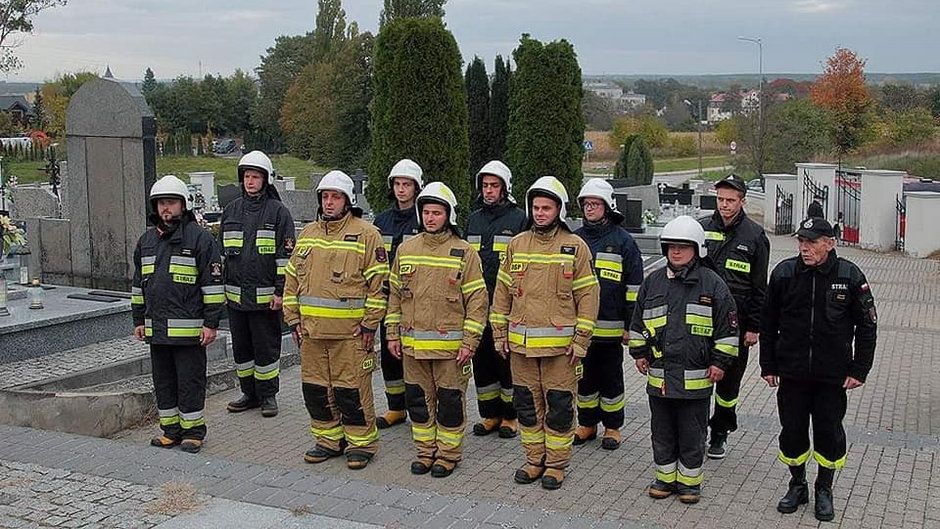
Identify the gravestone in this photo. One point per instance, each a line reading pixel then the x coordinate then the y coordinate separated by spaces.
pixel 112 165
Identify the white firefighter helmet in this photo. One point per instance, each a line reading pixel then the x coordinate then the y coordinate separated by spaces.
pixel 601 189
pixel 438 193
pixel 551 186
pixel 500 170
pixel 409 169
pixel 337 181
pixel 170 186
pixel 684 229
pixel 259 161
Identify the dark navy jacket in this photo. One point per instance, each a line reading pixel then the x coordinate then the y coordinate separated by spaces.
pixel 489 230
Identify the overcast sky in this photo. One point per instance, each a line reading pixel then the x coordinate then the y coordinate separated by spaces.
pixel 610 36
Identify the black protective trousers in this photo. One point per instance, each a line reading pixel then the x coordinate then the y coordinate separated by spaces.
pixel 179 384
pixel 393 373
pixel 798 402
pixel 678 433
pixel 492 377
pixel 600 392
pixel 727 392
pixel 256 346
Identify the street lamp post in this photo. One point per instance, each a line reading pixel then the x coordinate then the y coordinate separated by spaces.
pixel 760 96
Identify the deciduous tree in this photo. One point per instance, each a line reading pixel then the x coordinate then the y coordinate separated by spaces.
pixel 411 9
pixel 16 21
pixel 841 91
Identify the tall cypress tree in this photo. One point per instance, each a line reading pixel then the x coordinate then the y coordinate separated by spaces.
pixel 499 109
pixel 546 126
pixel 419 107
pixel 478 102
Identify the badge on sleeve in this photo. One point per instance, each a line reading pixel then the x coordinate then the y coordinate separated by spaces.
pixel 733 319
pixel 381 255
pixel 216 269
pixel 289 244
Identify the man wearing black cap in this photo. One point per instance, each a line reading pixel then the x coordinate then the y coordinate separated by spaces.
pixel 738 250
pixel 817 306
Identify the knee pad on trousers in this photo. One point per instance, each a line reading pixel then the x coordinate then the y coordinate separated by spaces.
pixel 525 405
pixel 417 406
pixel 347 400
pixel 449 407
pixel 560 415
pixel 317 402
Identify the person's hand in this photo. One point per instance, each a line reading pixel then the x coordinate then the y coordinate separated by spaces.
pixel 367 336
pixel 642 365
pixel 751 338
pixel 715 373
pixel 573 359
pixel 140 333
pixel 295 332
pixel 394 347
pixel 207 336
pixel 464 355
pixel 276 303
pixel 502 347
pixel 772 380
pixel 852 383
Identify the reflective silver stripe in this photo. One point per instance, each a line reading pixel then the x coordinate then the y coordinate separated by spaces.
pixel 602 324
pixel 505 391
pixel 332 303
pixel 731 340
pixel 637 336
pixel 137 290
pixel 151 259
pixel 184 324
pixel 406 236
pixel 261 291
pixel 265 234
pixel 180 260
pixel 666 469
pixel 633 288
pixel 689 472
pixel 245 365
pixel 191 416
pixel 213 289
pixel 610 402
pixel 604 256
pixel 281 262
pixel 542 331
pixel 434 335
pixel 701 310
pixel 588 398
pixel 502 239
pixel 148 322
pixel 474 238
pixel 172 412
pixel 657 372
pixel 387 239
pixel 395 383
pixel 233 289
pixel 694 374
pixel 489 388
pixel 232 235
pixel 268 368
pixel 655 312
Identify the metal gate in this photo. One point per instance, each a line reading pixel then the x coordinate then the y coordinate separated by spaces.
pixel 848 206
pixel 811 190
pixel 901 223
pixel 783 218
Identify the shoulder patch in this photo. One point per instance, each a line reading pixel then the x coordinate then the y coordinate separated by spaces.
pixel 733 319
pixel 353 237
pixel 457 252
pixel 381 255
pixel 569 250
pixel 216 269
pixel 289 244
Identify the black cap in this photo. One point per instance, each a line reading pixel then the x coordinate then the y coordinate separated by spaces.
pixel 734 182
pixel 814 228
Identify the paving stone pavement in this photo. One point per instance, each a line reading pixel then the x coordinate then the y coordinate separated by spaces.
pixel 889 481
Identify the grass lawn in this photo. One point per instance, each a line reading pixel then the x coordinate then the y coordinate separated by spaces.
pixel 915 163
pixel 686 164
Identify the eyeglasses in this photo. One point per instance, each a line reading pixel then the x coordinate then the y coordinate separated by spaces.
pixel 592 205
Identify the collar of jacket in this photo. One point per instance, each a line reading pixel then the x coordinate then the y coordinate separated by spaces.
pixel 720 222
pixel 547 235
pixel 256 202
pixel 822 269
pixel 686 274
pixel 436 239
pixel 333 226
pixel 497 209
pixel 403 214
pixel 598 229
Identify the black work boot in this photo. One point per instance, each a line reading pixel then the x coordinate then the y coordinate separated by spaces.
pixel 716 448
pixel 243 403
pixel 268 406
pixel 797 494
pixel 824 509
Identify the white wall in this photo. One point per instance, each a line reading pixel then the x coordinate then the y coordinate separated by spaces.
pixel 787 184
pixel 824 174
pixel 880 191
pixel 922 236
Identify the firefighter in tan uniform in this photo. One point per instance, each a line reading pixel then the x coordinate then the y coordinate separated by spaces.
pixel 334 302
pixel 544 312
pixel 437 309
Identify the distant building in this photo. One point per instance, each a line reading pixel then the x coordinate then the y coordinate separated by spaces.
pixel 718 108
pixel 620 101
pixel 18 106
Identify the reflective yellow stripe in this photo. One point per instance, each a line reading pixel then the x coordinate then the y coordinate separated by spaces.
pixel 665 477
pixel 325 312
pixel 395 390
pixel 375 270
pixel 584 282
pixel 137 299
pixel 281 270
pixel 725 403
pixel 690 480
pixel 556 258
pixel 291 301
pixel 430 345
pixel 714 235
pixel 634 342
pixel 655 323
pixel 363 440
pixel 698 383
pixel 555 442
pixel 189 424
pixel 376 303
pixel 358 247
pixel 497 318
pixel 423 434
pixel 472 326
pixel 291 270
pixel 739 266
pixel 600 332
pixel 695 319
pixel 589 403
pixel 146 269
pixel 731 350
pixel 183 269
pixel 834 465
pixel 533 438
pixel 176 332
pixel 504 278
pixel 793 461
pixel 333 434
pixel 472 286
pixel 209 299
pixel 262 299
pixel 607 274
pixel 608 265
pixel 392 318
pixel 449 438
pixel 268 375
pixel 656 382
pixel 438 262
pixel 585 324
pixel 612 407
pixel 234 297
pixel 245 373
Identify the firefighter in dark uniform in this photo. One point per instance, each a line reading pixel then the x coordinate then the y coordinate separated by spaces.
pixel 738 250
pixel 818 305
pixel 397 224
pixel 684 337
pixel 619 269
pixel 489 230
pixel 257 240
pixel 176 301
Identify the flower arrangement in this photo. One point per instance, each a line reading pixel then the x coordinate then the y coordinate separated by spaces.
pixel 12 235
